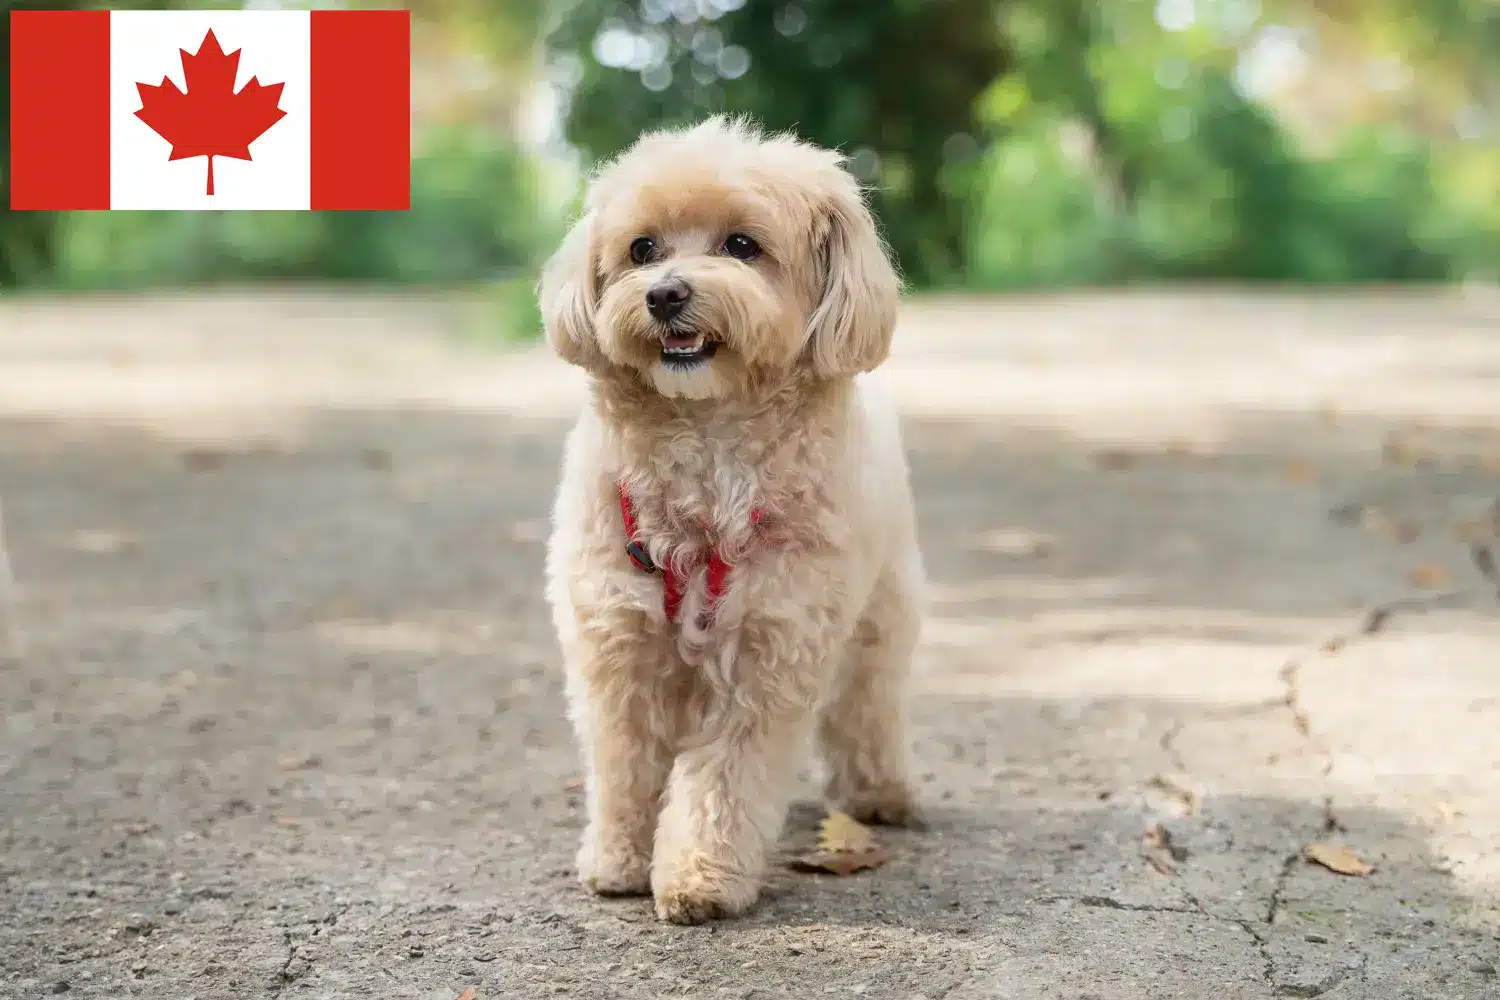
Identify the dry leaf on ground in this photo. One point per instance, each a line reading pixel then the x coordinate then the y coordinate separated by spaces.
pixel 845 846
pixel 1431 577
pixel 1299 470
pixel 1157 849
pixel 1337 858
pixel 467 994
pixel 573 785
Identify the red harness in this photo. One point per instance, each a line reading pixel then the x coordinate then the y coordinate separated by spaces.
pixel 674 583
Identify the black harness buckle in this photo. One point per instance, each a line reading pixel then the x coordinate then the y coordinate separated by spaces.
pixel 638 555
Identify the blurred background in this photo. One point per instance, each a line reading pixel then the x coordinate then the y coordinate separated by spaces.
pixel 1009 143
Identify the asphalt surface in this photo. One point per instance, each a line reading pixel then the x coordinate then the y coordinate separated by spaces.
pixel 286 716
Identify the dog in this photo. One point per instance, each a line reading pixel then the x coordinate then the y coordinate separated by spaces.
pixel 733 567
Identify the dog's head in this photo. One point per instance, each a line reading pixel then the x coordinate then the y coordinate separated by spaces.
pixel 713 259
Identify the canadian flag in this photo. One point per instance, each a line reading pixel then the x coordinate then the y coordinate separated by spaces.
pixel 210 109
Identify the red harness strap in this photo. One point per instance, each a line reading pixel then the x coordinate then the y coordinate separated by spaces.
pixel 673 582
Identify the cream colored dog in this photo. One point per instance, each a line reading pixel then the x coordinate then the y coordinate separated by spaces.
pixel 734 562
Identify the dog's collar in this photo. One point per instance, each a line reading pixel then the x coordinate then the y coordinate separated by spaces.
pixel 674 583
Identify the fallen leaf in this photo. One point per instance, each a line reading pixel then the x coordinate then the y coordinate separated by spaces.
pixel 467 994
pixel 573 785
pixel 845 846
pixel 1017 542
pixel 1299 470
pixel 841 832
pixel 1161 862
pixel 1156 848
pixel 1113 460
pixel 1431 577
pixel 1337 858
pixel 1178 788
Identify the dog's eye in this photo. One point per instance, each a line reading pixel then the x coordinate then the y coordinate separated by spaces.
pixel 741 247
pixel 642 250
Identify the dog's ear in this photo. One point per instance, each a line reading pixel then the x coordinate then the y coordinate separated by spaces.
pixel 851 327
pixel 569 295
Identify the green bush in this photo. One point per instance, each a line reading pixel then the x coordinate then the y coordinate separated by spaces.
pixel 1233 199
pixel 1038 219
pixel 477 211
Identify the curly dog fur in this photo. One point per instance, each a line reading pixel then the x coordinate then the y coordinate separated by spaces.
pixel 693 731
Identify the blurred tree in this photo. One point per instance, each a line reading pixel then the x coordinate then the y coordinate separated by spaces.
pixel 474 62
pixel 890 82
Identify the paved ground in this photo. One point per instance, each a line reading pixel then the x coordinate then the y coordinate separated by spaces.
pixel 288 720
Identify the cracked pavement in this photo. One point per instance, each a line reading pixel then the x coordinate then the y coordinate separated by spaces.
pixel 287 719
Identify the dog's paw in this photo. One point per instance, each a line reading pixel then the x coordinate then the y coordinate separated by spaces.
pixel 893 805
pixel 614 872
pixel 698 891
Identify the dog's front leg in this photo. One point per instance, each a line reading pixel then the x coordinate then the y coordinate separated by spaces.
pixel 624 706
pixel 730 785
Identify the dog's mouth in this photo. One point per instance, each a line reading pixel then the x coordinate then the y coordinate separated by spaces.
pixel 684 350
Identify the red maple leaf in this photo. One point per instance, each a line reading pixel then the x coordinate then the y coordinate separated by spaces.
pixel 210 119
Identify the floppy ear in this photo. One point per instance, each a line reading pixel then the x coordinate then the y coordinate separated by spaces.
pixel 850 329
pixel 569 293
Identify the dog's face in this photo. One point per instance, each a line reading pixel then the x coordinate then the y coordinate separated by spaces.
pixel 713 260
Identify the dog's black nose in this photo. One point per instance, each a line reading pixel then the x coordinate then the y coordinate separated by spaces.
pixel 666 298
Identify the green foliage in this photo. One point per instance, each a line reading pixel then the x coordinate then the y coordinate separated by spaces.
pixel 1008 143
pixel 1039 218
pixel 477 211
pixel 1175 174
pixel 891 82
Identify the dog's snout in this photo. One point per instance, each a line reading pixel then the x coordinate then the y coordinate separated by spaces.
pixel 666 298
